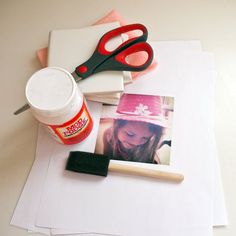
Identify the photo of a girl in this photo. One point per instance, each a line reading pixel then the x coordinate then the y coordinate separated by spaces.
pixel 137 130
pixel 132 141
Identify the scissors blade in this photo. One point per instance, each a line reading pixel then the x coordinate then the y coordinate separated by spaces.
pixel 76 77
pixel 22 109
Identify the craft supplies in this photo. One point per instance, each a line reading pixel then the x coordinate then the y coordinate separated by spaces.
pixel 56 102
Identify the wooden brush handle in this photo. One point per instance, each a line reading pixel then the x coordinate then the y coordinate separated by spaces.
pixel 145 172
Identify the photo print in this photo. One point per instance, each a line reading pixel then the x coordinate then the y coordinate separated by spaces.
pixel 137 130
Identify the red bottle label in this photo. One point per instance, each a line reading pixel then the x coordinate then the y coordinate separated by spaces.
pixel 75 130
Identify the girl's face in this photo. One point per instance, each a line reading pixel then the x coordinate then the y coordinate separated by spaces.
pixel 134 134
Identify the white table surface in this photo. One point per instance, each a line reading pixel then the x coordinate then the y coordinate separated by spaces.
pixel 24 27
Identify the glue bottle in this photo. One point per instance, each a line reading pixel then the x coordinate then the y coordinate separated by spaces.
pixel 56 102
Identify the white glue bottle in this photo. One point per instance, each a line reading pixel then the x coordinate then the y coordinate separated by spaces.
pixel 57 103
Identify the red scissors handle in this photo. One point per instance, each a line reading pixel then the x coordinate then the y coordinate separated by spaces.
pixel 103 60
pixel 120 63
pixel 118 31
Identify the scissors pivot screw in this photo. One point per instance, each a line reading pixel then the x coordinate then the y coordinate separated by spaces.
pixel 82 69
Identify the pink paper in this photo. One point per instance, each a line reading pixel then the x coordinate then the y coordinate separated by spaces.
pixel 136 59
pixel 42 56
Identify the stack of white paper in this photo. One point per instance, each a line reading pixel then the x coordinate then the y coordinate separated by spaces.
pixel 55 201
pixel 72 47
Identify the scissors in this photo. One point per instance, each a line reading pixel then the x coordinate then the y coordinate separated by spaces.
pixel 114 60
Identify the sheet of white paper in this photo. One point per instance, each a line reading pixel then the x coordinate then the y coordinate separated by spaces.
pixel 90 203
pixel 203 231
pixel 27 207
pixel 220 217
pixel 219 209
pixel 25 213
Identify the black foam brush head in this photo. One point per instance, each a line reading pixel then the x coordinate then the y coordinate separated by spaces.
pixel 89 163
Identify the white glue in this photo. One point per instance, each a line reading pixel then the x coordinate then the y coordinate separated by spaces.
pixel 56 102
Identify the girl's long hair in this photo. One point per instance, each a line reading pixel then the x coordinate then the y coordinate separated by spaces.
pixel 143 153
